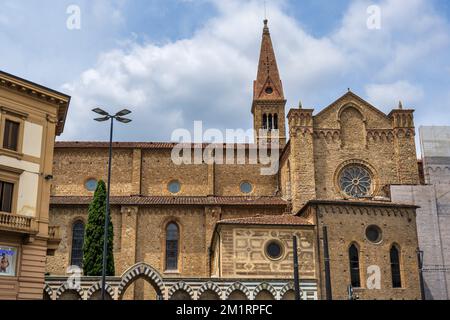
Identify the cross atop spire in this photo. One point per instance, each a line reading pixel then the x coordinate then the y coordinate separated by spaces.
pixel 268 84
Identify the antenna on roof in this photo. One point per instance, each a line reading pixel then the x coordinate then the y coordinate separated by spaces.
pixel 265 9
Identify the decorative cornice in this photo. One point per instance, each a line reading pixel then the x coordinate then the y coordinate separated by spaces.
pixel 46 97
pixel 302 131
pixel 360 208
pixel 328 134
pixel 39 92
pixel 380 134
pixel 404 132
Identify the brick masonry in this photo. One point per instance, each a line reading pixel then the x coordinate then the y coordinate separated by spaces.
pixel 348 132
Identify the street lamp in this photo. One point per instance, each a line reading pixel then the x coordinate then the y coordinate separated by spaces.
pixel 296 277
pixel 119 116
pixel 420 255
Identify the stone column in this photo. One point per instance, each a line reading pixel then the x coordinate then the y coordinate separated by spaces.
pixel 128 239
pixel 212 215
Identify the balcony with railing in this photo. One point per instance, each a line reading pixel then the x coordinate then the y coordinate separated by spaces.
pixel 17 223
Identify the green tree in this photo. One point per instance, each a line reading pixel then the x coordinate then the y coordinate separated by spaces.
pixel 94 236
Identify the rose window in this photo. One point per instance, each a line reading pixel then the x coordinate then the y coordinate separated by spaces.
pixel 355 181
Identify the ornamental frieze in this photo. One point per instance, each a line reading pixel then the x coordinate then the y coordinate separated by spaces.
pixel 250 256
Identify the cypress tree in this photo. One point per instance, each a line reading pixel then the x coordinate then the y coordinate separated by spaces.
pixel 94 236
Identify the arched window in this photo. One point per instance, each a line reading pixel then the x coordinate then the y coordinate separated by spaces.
pixel 270 122
pixel 354 266
pixel 275 122
pixel 264 121
pixel 172 238
pixel 77 244
pixel 395 267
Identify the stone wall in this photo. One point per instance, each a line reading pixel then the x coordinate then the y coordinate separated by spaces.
pixel 349 131
pixel 73 167
pixel 148 172
pixel 65 217
pixel 139 235
pixel 346 224
pixel 243 252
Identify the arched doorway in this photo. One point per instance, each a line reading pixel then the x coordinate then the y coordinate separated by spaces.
pixel 141 282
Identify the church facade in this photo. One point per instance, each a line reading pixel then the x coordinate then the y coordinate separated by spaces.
pixel 224 231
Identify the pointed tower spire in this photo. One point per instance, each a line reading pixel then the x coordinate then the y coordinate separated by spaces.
pixel 268 84
pixel 268 107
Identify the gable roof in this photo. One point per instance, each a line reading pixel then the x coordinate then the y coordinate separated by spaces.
pixel 356 97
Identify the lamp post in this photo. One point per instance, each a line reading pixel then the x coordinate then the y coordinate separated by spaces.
pixel 422 283
pixel 296 277
pixel 119 116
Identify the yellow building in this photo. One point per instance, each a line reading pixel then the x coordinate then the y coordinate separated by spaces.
pixel 30 118
pixel 224 231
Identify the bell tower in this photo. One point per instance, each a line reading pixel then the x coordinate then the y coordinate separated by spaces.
pixel 268 109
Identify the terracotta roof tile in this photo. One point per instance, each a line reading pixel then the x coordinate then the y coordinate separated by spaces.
pixel 138 145
pixel 287 220
pixel 156 200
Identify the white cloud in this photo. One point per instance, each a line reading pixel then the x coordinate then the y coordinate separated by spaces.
pixel 388 95
pixel 209 76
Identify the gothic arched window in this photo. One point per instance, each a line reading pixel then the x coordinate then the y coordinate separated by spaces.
pixel 395 267
pixel 172 239
pixel 354 266
pixel 264 121
pixel 77 243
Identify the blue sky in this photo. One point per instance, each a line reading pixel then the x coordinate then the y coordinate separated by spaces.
pixel 176 61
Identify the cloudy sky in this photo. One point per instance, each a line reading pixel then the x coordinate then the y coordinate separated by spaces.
pixel 176 61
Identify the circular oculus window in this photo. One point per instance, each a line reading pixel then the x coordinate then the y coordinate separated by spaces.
pixel 355 181
pixel 174 187
pixel 91 184
pixel 269 90
pixel 274 250
pixel 246 187
pixel 374 234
